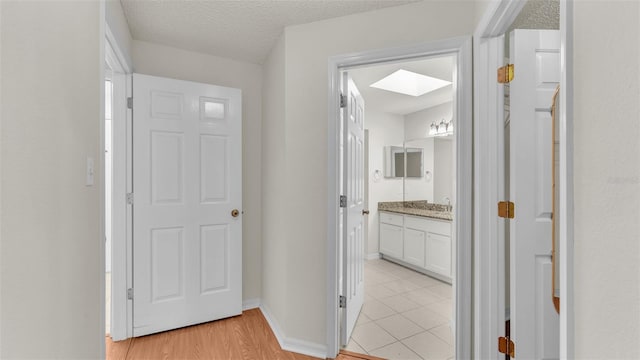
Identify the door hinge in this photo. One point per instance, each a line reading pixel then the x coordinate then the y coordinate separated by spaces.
pixel 343 301
pixel 129 103
pixel 506 209
pixel 343 101
pixel 505 74
pixel 129 294
pixel 506 346
pixel 343 201
pixel 129 198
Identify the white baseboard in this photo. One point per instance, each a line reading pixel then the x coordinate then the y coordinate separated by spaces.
pixel 373 256
pixel 292 344
pixel 251 303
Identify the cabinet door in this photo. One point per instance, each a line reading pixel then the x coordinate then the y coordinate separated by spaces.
pixel 414 243
pixel 439 254
pixel 391 240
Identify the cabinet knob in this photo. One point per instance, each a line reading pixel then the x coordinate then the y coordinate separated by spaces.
pixel 235 212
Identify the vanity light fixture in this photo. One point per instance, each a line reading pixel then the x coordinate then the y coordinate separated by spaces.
pixel 409 83
pixel 442 128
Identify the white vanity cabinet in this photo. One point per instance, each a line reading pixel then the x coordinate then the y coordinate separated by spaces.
pixel 391 242
pixel 421 243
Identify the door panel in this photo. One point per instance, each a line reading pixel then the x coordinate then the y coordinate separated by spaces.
pixel 414 247
pixel 534 322
pixel 439 253
pixel 353 238
pixel 187 248
pixel 391 242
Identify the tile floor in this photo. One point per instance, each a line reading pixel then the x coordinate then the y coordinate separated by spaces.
pixel 406 315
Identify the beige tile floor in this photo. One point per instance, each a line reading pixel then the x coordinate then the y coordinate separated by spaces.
pixel 406 315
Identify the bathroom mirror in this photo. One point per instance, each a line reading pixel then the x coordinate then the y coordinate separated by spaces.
pixel 397 159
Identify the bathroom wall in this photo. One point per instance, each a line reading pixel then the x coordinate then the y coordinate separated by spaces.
pixel 439 160
pixel 384 130
pixel 421 188
pixel 443 170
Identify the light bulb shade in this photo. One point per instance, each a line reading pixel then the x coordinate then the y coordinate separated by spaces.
pixel 442 128
pixel 433 129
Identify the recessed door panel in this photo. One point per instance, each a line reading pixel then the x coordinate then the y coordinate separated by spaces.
pixel 543 166
pixel 214 173
pixel 214 258
pixel 167 264
pixel 166 105
pixel 166 167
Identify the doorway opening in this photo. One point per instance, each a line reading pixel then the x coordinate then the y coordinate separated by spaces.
pixel 408 182
pixel 403 278
pixel 117 210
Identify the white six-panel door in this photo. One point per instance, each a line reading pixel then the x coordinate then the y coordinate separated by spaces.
pixel 187 171
pixel 353 224
pixel 534 321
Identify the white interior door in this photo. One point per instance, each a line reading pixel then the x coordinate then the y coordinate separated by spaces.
pixel 534 321
pixel 353 223
pixel 187 171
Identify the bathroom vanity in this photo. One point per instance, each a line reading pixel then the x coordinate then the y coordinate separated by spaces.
pixel 417 235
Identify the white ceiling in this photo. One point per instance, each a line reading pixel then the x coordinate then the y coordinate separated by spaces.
pixel 237 29
pixel 394 103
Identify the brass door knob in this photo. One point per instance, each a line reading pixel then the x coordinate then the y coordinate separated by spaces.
pixel 235 212
pixel 365 212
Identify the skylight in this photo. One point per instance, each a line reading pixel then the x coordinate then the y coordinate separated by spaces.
pixel 410 83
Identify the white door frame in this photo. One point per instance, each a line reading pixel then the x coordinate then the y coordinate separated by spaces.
pixel 489 185
pixel 460 46
pixel 121 242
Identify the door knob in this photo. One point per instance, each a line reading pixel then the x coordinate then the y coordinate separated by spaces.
pixel 365 212
pixel 235 212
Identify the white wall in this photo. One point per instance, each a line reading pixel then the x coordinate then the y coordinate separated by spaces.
pixel 607 179
pixel 304 196
pixel 384 130
pixel 160 60
pixel 52 249
pixel 274 173
pixel 443 170
pixel 417 123
pixel 416 127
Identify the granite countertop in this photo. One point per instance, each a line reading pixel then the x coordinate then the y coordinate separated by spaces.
pixel 417 208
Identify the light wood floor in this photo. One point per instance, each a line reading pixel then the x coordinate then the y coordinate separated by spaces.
pixel 246 337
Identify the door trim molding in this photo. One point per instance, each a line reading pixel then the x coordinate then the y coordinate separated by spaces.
pixel 566 180
pixel 121 242
pixel 461 46
pixel 489 242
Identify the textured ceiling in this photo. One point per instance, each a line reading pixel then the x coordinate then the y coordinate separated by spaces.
pixel 237 29
pixel 394 103
pixel 538 14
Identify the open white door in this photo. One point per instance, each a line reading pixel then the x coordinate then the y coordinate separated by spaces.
pixel 353 190
pixel 534 321
pixel 187 171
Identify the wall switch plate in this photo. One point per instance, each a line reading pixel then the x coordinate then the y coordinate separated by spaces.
pixel 90 171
